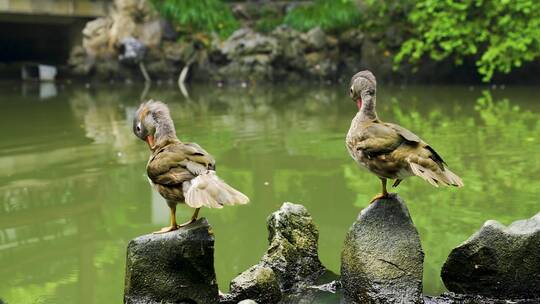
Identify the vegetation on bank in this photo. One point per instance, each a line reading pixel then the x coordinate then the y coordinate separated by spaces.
pixel 209 16
pixel 498 36
pixel 330 15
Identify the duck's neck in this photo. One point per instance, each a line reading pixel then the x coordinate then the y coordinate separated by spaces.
pixel 366 110
pixel 164 131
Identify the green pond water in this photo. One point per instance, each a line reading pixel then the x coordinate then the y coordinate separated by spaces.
pixel 73 189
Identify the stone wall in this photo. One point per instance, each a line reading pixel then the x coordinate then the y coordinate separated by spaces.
pixel 283 54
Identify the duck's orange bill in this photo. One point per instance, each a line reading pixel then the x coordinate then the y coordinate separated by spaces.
pixel 150 141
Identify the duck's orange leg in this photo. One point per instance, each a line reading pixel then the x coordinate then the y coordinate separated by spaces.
pixel 173 226
pixel 384 193
pixel 193 218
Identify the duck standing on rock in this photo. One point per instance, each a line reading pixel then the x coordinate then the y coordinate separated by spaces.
pixel 388 150
pixel 180 172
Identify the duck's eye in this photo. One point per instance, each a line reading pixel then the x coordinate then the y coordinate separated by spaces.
pixel 351 90
pixel 138 127
pixel 371 92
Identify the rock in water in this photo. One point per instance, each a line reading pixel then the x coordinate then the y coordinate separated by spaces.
pixel 258 283
pixel 291 263
pixel 174 267
pixel 293 250
pixel 382 258
pixel 497 261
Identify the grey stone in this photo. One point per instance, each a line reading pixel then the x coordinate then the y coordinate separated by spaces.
pixel 497 261
pixel 316 39
pixel 290 271
pixel 382 258
pixel 173 267
pixel 249 56
pixel 293 250
pixel 247 42
pixel 258 283
pixel 291 48
pixel 351 39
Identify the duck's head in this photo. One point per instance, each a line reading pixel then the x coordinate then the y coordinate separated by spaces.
pixel 362 88
pixel 153 122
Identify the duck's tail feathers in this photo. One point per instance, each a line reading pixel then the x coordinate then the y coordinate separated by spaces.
pixel 436 178
pixel 208 190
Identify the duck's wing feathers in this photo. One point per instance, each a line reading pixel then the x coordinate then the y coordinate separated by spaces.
pixel 377 138
pixel 405 146
pixel 190 168
pixel 207 189
pixel 177 163
pixel 401 131
pixel 424 161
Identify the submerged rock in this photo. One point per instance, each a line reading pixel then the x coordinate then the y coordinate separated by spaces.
pixel 497 261
pixel 174 267
pixel 382 258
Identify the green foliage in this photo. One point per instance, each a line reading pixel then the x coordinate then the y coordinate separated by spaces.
pixel 499 35
pixel 269 20
pixel 199 15
pixel 330 15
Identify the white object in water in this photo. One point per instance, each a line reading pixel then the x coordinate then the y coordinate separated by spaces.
pixel 41 72
pixel 47 72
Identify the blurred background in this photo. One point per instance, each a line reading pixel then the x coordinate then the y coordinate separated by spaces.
pixel 263 86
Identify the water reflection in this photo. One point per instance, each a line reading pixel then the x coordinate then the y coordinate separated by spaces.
pixel 73 189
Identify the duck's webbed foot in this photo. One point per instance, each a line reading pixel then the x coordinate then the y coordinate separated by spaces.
pixel 173 226
pixel 166 229
pixel 384 193
pixel 379 196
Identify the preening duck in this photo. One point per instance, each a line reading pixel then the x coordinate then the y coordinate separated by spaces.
pixel 389 150
pixel 180 172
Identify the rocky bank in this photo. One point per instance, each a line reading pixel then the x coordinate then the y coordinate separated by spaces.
pixel 284 54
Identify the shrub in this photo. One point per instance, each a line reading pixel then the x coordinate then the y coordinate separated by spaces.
pixel 199 15
pixel 330 15
pixel 499 35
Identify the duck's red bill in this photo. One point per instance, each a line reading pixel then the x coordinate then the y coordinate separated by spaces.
pixel 150 141
pixel 359 103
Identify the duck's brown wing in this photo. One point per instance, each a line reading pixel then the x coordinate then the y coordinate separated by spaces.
pixel 406 147
pixel 177 163
pixel 424 161
pixel 189 171
pixel 375 139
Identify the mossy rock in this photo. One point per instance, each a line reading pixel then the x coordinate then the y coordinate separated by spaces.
pixel 497 261
pixel 382 258
pixel 258 283
pixel 174 267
